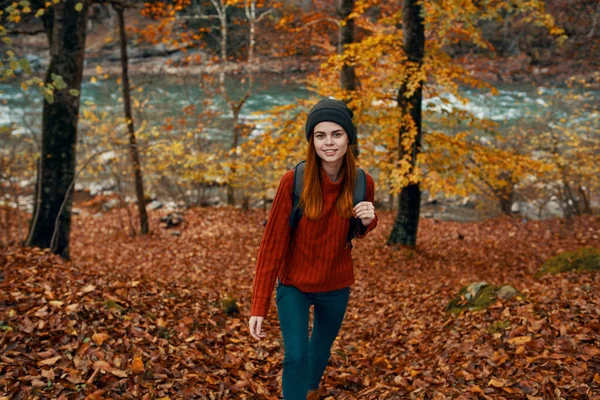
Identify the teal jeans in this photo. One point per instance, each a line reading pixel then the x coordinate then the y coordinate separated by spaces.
pixel 305 359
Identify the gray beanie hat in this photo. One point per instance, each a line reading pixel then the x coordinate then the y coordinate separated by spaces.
pixel 333 111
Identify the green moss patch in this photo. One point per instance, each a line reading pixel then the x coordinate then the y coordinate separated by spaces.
pixel 474 297
pixel 584 259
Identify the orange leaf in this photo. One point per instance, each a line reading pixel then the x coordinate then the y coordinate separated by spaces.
pixel 138 365
pixel 99 338
pixel 496 383
pixel 519 340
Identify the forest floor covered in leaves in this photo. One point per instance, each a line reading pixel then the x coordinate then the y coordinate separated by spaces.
pixel 143 317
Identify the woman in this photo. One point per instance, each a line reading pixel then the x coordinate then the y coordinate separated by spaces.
pixel 314 265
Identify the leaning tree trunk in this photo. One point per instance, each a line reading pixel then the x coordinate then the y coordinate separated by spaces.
pixel 51 222
pixel 234 145
pixel 346 37
pixel 407 221
pixel 133 150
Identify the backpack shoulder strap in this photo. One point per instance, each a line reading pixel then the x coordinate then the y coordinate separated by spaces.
pixel 296 213
pixel 360 187
pixel 359 194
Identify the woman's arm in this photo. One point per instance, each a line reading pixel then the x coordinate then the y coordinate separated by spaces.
pixel 273 247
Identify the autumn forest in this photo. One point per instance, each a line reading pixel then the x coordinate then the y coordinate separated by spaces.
pixel 142 149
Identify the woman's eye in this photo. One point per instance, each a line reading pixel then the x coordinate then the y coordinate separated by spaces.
pixel 337 134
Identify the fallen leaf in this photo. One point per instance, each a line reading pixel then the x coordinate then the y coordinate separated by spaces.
pixel 118 372
pixel 49 361
pixel 89 288
pixel 519 340
pixel 99 338
pixel 137 366
pixel 496 383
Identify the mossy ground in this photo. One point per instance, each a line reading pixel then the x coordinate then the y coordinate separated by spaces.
pixel 484 297
pixel 584 259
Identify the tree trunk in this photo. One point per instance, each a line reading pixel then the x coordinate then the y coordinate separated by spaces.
pixel 585 199
pixel 505 194
pixel 407 221
pixel 135 156
pixel 234 145
pixel 66 36
pixel 346 37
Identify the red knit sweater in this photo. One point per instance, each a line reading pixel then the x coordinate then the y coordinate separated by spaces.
pixel 317 258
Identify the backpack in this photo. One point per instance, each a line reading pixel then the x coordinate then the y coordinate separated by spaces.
pixel 359 194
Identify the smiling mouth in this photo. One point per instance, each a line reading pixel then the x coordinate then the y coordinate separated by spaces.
pixel 330 152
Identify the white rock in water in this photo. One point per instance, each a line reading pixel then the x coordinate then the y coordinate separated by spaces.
pixel 101 187
pixel 154 205
pixel 107 156
pixel 110 204
pixel 515 207
pixel 506 292
pixel 171 205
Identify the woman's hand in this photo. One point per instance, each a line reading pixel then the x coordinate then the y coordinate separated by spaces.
pixel 256 327
pixel 365 211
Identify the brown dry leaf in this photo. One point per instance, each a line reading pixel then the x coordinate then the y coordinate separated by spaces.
pixel 179 283
pixel 475 389
pixel 48 374
pixel 88 289
pixel 49 361
pixel 496 383
pixel 118 372
pixel 97 395
pixel 72 307
pixel 102 365
pixel 519 340
pixel 37 383
pixel 99 338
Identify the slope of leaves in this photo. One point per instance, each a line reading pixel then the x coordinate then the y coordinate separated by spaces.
pixel 142 317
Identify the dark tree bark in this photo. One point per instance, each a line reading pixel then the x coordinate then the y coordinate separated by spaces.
pixel 346 37
pixel 235 140
pixel 66 30
pixel 407 221
pixel 133 150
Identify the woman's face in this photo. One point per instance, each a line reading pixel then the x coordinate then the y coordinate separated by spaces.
pixel 331 141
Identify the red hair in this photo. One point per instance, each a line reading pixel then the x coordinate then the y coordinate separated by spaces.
pixel 311 200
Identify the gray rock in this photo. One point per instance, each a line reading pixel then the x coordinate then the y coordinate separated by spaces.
pixel 154 205
pixel 474 288
pixel 506 292
pixel 112 203
pixel 214 201
pixel 468 202
pixel 515 207
pixel 172 219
